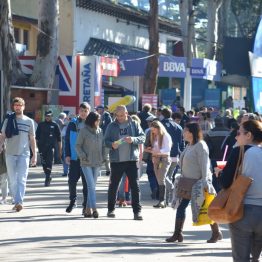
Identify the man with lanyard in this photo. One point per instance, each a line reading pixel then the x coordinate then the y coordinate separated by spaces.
pixel 75 171
pixel 47 135
pixel 18 145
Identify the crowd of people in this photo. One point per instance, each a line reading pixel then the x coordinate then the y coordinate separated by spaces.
pixel 166 141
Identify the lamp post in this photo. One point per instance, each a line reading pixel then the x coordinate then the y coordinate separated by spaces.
pixel 188 80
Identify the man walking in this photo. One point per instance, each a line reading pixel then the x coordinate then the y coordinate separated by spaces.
pixel 47 135
pixel 123 137
pixel 19 134
pixel 75 171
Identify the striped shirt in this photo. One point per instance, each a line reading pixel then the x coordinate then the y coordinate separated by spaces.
pixel 20 144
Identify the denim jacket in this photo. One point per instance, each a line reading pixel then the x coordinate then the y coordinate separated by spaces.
pixel 112 135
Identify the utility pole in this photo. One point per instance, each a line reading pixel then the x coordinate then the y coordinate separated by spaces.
pixel 188 80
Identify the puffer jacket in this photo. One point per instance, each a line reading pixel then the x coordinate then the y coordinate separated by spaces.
pixel 89 147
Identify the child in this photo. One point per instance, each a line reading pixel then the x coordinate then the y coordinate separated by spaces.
pixel 3 178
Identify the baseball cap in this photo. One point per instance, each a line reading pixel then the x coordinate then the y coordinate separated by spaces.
pixel 151 118
pixel 48 113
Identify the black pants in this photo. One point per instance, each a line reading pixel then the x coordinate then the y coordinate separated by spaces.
pixel 117 171
pixel 46 155
pixel 75 172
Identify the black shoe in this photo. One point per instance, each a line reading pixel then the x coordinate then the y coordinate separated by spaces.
pixel 111 214
pixel 47 181
pixel 64 174
pixel 95 214
pixel 71 206
pixel 138 216
pixel 108 173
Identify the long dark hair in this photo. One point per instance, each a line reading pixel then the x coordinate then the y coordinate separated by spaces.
pixel 196 131
pixel 92 118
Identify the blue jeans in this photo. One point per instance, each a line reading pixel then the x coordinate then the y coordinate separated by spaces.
pixel 91 174
pixel 17 169
pixel 246 235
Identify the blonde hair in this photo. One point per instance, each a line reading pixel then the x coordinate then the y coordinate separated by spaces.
pixel 121 108
pixel 162 131
pixel 19 100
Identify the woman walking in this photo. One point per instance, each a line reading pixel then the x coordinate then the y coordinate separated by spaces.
pixel 246 233
pixel 195 164
pixel 161 146
pixel 90 150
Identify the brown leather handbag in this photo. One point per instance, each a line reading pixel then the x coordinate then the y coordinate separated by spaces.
pixel 227 206
pixel 184 187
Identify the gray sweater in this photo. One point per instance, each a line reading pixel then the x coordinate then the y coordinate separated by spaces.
pixel 89 147
pixel 252 167
pixel 194 161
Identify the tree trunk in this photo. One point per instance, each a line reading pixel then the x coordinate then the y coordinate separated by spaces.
pixel 183 11
pixel 9 63
pixel 47 45
pixel 222 28
pixel 151 74
pixel 212 28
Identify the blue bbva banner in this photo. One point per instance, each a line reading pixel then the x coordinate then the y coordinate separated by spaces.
pixel 206 69
pixel 170 66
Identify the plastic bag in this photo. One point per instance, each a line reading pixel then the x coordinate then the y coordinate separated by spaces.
pixel 203 218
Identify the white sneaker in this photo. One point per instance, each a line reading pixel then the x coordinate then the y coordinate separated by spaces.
pixel 3 202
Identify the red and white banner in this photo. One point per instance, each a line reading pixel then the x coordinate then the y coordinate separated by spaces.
pixel 109 66
pixel 151 99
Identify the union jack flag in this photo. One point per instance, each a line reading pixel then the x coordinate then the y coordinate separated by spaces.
pixel 66 72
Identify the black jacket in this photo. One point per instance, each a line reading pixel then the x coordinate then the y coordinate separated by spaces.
pixel 227 175
pixel 47 134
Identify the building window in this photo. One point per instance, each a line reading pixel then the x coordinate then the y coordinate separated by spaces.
pixel 17 35
pixel 26 38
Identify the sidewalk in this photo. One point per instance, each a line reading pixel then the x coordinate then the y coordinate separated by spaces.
pixel 43 231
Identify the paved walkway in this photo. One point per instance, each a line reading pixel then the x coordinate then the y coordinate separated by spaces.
pixel 42 231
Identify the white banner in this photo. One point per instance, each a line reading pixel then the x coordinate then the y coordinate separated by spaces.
pixel 255 65
pixel 87 79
